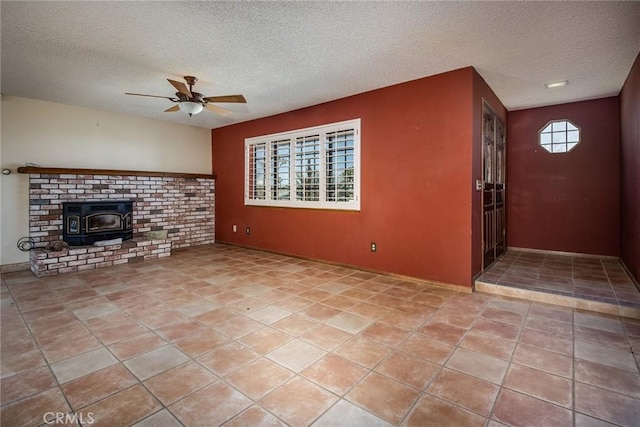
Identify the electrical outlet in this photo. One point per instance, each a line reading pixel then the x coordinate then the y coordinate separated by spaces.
pixel 248 230
pixel 374 247
pixel 235 228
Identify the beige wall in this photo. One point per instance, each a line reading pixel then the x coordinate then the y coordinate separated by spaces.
pixel 58 135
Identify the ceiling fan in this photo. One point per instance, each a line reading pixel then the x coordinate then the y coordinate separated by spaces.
pixel 193 102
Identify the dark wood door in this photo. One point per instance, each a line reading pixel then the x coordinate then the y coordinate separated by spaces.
pixel 493 187
pixel 500 190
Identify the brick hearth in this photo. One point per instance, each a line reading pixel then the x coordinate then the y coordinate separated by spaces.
pixel 80 258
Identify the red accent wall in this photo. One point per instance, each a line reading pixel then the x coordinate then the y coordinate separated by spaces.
pixel 416 178
pixel 565 202
pixel 630 171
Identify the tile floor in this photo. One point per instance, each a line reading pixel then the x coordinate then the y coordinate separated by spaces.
pixel 220 335
pixel 597 284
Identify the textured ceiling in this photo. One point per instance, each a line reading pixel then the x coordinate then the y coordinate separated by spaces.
pixel 286 55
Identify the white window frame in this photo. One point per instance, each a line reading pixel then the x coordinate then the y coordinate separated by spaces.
pixel 266 198
pixel 559 141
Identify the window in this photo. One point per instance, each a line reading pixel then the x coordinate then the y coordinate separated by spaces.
pixel 559 136
pixel 308 168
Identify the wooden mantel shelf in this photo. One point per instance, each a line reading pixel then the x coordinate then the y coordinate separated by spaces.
pixel 75 171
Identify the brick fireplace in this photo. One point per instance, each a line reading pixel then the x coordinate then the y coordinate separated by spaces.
pixel 180 204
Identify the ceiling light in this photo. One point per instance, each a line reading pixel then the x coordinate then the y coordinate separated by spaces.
pixel 556 84
pixel 191 107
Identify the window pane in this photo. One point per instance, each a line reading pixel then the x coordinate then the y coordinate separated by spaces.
pixel 571 145
pixel 560 148
pixel 558 126
pixel 339 172
pixel 570 126
pixel 307 168
pixel 280 170
pixel 573 136
pixel 559 137
pixel 257 155
pixel 545 138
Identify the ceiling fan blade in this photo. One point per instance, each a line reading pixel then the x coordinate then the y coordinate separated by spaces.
pixel 173 109
pixel 181 87
pixel 152 96
pixel 217 110
pixel 225 98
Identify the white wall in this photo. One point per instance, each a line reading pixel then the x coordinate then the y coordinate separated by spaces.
pixel 57 135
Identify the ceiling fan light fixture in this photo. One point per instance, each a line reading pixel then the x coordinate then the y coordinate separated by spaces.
pixel 191 107
pixel 193 102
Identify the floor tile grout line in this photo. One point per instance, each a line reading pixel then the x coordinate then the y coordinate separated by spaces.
pixel 295 375
pixel 509 364
pixel 122 363
pixel 458 345
pixel 264 356
pixel 442 367
pixel 194 360
pixel 47 364
pixel 104 346
pixel 369 372
pixel 616 300
pixel 103 343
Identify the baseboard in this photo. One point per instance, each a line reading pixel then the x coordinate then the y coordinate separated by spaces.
pixel 628 271
pixel 11 268
pixel 450 286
